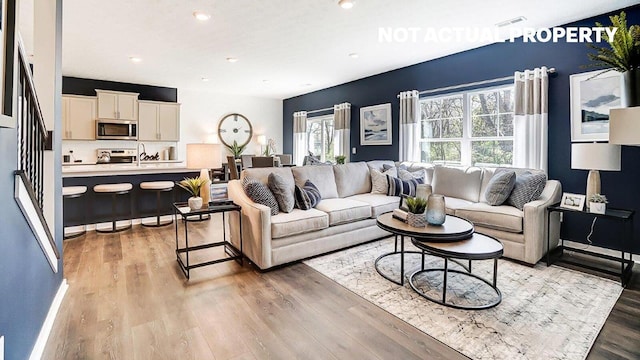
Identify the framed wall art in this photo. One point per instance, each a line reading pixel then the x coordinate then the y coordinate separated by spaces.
pixel 572 201
pixel 375 125
pixel 7 61
pixel 593 94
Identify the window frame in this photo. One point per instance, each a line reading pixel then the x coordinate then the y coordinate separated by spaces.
pixel 466 141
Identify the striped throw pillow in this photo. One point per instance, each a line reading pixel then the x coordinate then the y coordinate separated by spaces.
pixel 259 193
pixel 307 196
pixel 399 187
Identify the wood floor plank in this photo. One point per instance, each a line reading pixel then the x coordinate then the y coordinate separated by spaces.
pixel 129 300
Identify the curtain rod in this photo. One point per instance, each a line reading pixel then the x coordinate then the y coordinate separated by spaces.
pixel 320 110
pixel 454 87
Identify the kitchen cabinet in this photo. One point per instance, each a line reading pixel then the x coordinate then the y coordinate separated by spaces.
pixel 117 105
pixel 79 117
pixel 158 121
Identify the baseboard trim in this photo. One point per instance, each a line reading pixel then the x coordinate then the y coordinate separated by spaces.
pixel 45 331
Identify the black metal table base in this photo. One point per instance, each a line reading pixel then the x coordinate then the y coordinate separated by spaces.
pixel 394 252
pixel 466 272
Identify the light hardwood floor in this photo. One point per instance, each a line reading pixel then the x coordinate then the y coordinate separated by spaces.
pixel 128 300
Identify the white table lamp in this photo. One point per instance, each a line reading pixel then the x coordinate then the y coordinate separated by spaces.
pixel 204 157
pixel 595 157
pixel 624 126
pixel 262 140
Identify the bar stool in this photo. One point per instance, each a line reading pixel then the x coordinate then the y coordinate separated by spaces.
pixel 159 187
pixel 73 192
pixel 114 190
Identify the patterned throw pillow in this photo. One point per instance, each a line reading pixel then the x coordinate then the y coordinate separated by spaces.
pixel 281 192
pixel 259 193
pixel 379 183
pixel 528 187
pixel 500 187
pixel 408 175
pixel 308 196
pixel 399 187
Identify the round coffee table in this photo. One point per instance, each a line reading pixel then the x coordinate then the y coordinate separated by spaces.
pixel 477 247
pixel 453 229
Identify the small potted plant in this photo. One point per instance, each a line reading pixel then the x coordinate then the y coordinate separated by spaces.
pixel 598 204
pixel 416 207
pixel 236 150
pixel 193 185
pixel 340 159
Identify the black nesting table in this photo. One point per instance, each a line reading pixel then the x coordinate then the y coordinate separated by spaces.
pixel 182 210
pixel 621 215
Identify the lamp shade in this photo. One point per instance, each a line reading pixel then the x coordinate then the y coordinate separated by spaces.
pixel 595 156
pixel 203 156
pixel 262 140
pixel 624 126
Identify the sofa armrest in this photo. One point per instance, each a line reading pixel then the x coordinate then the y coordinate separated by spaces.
pixel 535 222
pixel 256 226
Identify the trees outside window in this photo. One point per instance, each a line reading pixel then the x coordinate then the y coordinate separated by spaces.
pixel 320 137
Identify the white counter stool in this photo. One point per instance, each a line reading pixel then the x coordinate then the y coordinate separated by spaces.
pixel 73 192
pixel 114 190
pixel 159 187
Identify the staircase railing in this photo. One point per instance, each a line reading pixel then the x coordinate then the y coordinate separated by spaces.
pixel 32 140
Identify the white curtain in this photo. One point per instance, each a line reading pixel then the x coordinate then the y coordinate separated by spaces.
pixel 342 130
pixel 531 119
pixel 409 126
pixel 299 137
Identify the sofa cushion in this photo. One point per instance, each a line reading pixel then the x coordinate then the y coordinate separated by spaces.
pixel 307 196
pixel 282 193
pixel 298 222
pixel 399 187
pixel 503 217
pixel 352 179
pixel 344 210
pixel 321 176
pixel 528 187
pixel 452 204
pixel 461 183
pixel 262 175
pixel 499 187
pixel 379 182
pixel 379 203
pixel 378 164
pixel 259 193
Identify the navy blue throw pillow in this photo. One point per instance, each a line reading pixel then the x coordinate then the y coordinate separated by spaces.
pixel 308 196
pixel 399 187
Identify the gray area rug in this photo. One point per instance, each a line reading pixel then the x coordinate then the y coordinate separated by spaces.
pixel 545 313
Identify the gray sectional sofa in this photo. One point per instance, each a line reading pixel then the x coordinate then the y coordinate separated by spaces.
pixel 346 214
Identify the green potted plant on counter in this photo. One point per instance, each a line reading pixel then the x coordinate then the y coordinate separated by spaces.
pixel 193 185
pixel 340 159
pixel 416 207
pixel 597 204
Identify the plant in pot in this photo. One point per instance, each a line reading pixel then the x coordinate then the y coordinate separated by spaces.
pixel 598 204
pixel 193 185
pixel 622 55
pixel 235 149
pixel 416 207
pixel 340 159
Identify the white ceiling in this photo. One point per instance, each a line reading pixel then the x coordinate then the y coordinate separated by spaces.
pixel 288 43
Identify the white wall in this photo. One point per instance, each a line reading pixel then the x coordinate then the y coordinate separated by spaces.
pixel 199 116
pixel 202 110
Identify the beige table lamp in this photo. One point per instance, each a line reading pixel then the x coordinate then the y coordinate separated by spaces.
pixel 595 157
pixel 204 157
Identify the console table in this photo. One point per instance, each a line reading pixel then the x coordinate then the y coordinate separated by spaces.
pixel 621 215
pixel 182 209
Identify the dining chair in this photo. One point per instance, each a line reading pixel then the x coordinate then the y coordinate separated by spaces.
pixel 262 161
pixel 246 161
pixel 233 168
pixel 285 159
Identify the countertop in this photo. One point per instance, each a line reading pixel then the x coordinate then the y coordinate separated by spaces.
pixel 146 167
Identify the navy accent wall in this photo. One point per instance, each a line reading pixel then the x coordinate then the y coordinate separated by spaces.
pixel 80 86
pixel 489 62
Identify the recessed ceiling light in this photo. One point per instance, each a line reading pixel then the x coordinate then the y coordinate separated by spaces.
pixel 306 85
pixel 346 4
pixel 354 55
pixel 201 16
pixel 511 21
pixel 135 59
pixel 232 59
pixel 265 81
pixel 204 79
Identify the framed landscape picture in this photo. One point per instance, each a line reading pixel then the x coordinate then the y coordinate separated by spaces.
pixel 375 125
pixel 593 94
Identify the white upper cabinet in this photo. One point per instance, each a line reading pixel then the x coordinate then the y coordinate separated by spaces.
pixel 158 121
pixel 79 117
pixel 117 105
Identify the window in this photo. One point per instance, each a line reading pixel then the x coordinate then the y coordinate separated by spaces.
pixel 470 128
pixel 320 137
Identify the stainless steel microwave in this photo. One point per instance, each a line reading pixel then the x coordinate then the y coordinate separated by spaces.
pixel 107 129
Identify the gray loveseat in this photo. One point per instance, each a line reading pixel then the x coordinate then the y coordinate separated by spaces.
pixel 346 215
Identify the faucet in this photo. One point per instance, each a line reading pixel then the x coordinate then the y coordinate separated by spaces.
pixel 140 154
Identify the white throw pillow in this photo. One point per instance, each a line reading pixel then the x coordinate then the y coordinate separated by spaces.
pixel 379 183
pixel 410 175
